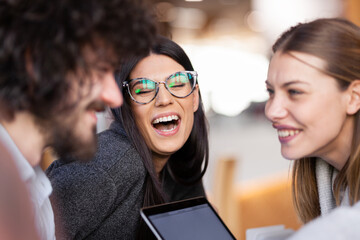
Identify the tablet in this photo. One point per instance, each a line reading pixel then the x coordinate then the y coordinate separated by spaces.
pixel 188 219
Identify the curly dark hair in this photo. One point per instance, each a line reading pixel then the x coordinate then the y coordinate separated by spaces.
pixel 49 37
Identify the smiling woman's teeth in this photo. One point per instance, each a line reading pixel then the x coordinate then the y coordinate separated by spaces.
pixel 166 124
pixel 165 119
pixel 287 133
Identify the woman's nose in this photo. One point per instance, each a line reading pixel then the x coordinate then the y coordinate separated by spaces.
pixel 163 97
pixel 275 109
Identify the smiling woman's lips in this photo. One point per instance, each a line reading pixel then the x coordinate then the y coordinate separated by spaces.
pixel 286 135
pixel 167 128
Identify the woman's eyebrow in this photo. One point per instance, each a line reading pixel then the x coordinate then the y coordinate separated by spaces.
pixel 288 83
pixel 294 82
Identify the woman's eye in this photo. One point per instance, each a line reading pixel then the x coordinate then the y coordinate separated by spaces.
pixel 176 85
pixel 143 91
pixel 270 91
pixel 294 92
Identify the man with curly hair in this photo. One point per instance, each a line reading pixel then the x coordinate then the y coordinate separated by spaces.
pixel 57 60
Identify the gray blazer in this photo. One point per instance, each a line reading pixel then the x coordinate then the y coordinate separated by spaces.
pixel 101 199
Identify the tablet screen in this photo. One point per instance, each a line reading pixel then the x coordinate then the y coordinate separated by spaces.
pixel 189 219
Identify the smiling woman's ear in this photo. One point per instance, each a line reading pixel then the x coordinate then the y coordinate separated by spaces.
pixel 354 103
pixel 196 98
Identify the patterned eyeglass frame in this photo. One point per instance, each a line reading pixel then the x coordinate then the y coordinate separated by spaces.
pixel 126 84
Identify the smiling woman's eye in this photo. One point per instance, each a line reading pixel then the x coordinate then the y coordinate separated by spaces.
pixel 142 86
pixel 294 92
pixel 270 91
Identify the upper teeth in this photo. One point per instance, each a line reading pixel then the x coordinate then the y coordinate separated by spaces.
pixel 286 133
pixel 165 119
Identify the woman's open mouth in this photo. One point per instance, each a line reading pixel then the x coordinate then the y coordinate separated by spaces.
pixel 286 135
pixel 167 125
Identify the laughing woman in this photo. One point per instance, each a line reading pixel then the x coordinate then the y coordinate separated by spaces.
pixel 314 101
pixel 155 151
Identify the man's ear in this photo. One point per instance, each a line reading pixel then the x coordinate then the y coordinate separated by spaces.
pixel 354 103
pixel 196 98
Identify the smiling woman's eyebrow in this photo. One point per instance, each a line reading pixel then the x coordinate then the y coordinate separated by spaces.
pixel 294 82
pixel 288 83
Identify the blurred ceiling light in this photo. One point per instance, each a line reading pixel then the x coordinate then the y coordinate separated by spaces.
pixel 193 0
pixel 190 18
pixel 162 11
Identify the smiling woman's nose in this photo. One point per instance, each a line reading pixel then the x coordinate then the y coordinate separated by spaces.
pixel 163 97
pixel 275 109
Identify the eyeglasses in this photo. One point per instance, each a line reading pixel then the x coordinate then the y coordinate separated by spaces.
pixel 179 84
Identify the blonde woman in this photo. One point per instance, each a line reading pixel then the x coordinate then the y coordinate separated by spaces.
pixel 314 100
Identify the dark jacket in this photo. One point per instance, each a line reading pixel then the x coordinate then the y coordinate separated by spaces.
pixel 101 199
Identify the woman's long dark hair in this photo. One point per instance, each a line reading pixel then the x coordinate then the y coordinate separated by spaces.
pixel 188 165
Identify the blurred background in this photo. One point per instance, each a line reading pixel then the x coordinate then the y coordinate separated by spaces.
pixel 229 43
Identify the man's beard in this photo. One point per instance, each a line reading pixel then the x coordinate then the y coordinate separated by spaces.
pixel 69 146
pixel 64 135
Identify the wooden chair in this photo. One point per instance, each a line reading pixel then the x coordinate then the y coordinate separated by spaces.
pixel 223 197
pixel 259 203
pixel 264 203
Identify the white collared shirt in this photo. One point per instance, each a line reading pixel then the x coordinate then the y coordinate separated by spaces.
pixel 38 185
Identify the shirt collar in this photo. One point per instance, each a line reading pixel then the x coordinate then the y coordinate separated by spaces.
pixel 26 171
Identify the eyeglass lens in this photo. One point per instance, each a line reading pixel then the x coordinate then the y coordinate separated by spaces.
pixel 179 84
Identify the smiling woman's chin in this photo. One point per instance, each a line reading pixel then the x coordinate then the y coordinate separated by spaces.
pixel 289 155
pixel 289 158
pixel 168 150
